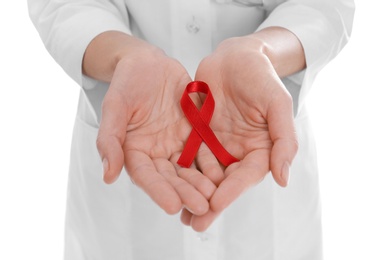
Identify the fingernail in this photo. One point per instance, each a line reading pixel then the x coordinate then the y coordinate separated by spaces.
pixel 187 208
pixel 105 166
pixel 286 173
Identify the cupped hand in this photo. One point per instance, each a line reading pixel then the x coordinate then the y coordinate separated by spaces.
pixel 253 119
pixel 144 129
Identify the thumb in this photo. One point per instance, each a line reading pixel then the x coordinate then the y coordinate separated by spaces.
pixel 112 132
pixel 283 135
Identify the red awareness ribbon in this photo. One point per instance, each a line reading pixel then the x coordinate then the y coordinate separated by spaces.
pixel 200 120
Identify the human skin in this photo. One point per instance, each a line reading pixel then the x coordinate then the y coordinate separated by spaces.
pixel 142 126
pixel 144 129
pixel 255 114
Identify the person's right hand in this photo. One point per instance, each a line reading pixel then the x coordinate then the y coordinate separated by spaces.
pixel 144 129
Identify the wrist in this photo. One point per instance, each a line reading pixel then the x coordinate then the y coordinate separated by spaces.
pixel 134 50
pixel 109 48
pixel 282 48
pixel 246 52
pixel 277 45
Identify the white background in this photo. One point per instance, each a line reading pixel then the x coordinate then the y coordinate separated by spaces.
pixel 350 107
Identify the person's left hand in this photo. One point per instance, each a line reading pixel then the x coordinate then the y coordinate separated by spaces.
pixel 253 119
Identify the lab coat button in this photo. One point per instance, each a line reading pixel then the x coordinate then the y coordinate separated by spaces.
pixel 193 27
pixel 203 236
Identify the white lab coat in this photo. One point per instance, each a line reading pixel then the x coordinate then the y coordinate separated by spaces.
pixel 119 221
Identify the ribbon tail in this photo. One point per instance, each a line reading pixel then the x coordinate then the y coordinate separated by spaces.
pixel 190 149
pixel 215 146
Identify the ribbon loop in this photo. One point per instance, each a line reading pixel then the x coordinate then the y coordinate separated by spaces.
pixel 200 120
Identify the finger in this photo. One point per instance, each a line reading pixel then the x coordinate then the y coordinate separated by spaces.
pixel 280 120
pixel 245 174
pixel 112 132
pixel 191 198
pixel 144 174
pixel 185 217
pixel 200 182
pixel 202 223
pixel 198 223
pixel 209 165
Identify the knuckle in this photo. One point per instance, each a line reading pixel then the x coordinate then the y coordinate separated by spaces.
pixel 99 142
pixel 287 98
pixel 295 145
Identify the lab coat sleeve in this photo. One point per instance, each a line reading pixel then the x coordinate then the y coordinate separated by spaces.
pixel 322 26
pixel 67 27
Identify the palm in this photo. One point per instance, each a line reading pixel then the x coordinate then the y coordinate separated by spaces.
pixel 158 131
pixel 240 124
pixel 244 132
pixel 252 119
pixel 161 136
pixel 142 118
